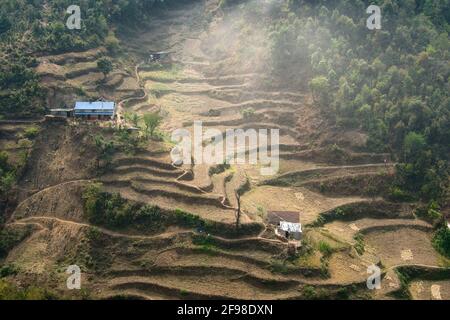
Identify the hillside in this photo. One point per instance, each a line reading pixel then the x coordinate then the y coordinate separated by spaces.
pixel 363 119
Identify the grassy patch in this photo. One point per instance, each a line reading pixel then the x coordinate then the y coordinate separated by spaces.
pixel 159 89
pixel 31 132
pixel 8 291
pixel 277 266
pixel 325 248
pixel 359 245
pixel 164 74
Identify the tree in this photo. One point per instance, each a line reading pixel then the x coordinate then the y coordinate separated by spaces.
pixel 413 145
pixel 133 118
pixel 320 89
pixel 151 122
pixel 105 66
pixel 238 209
pixel 5 24
pixel 105 149
pixel 112 43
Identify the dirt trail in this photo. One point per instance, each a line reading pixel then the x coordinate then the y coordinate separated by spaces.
pixel 31 220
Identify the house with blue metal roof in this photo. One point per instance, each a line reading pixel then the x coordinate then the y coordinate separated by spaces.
pixel 98 110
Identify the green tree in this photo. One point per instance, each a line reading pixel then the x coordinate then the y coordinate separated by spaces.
pixel 413 145
pixel 133 117
pixel 320 89
pixel 151 122
pixel 5 24
pixel 105 66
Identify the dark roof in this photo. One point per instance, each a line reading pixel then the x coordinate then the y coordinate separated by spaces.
pixel 275 217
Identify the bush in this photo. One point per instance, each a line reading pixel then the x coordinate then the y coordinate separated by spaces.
pixel 248 113
pixel 8 270
pixel 359 245
pixel 325 248
pixel 31 132
pixel 397 194
pixel 151 122
pixel 441 241
pixel 113 211
pixel 112 43
pixel 9 238
pixel 309 292
pixel 219 168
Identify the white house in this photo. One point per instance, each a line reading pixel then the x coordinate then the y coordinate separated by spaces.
pixel 287 223
pixel 290 229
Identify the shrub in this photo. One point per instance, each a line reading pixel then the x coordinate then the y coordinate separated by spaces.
pixel 359 245
pixel 151 122
pixel 397 194
pixel 219 168
pixel 6 181
pixel 248 113
pixel 188 219
pixel 441 241
pixel 9 238
pixel 31 132
pixel 325 248
pixel 277 266
pixel 111 210
pixel 7 270
pixel 309 292
pixel 112 43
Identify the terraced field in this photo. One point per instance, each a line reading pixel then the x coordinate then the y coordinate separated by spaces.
pixel 181 263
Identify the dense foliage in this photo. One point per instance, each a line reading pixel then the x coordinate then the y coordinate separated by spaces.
pixel 10 238
pixel 111 210
pixel 441 240
pixel 393 83
pixel 7 174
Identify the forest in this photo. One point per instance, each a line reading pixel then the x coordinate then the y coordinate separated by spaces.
pixel 393 83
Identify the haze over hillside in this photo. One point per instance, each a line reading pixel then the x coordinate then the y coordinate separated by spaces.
pixel 356 122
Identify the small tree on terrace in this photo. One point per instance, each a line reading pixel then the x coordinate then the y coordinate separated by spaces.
pixel 105 66
pixel 151 122
pixel 133 118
